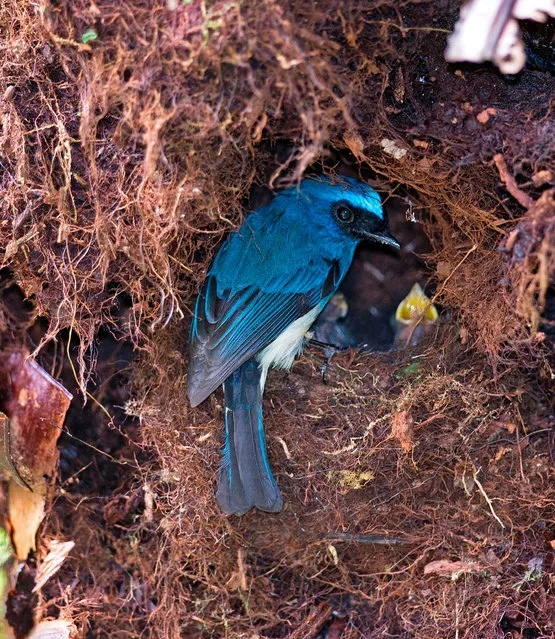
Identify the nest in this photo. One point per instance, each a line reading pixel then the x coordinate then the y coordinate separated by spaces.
pixel 134 136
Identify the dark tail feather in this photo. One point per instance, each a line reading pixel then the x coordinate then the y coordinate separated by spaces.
pixel 245 479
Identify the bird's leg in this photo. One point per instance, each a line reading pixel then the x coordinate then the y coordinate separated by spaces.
pixel 329 351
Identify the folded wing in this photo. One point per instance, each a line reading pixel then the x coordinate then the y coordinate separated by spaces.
pixel 230 327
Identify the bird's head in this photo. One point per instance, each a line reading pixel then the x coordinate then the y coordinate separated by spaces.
pixel 351 206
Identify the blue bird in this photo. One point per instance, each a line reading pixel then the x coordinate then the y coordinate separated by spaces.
pixel 265 288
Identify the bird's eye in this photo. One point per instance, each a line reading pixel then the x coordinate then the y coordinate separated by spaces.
pixel 344 214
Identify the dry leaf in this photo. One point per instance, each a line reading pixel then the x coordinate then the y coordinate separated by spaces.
pixel 402 428
pixel 537 10
pixel 53 630
pixel 36 406
pixel 25 513
pixel 487 30
pixel 354 144
pixel 501 453
pixel 421 144
pixel 392 148
pixel 6 461
pixel 451 568
pixel 49 566
pixel 510 426
pixel 333 552
pixel 463 333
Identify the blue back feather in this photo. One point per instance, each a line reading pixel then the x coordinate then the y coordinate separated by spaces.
pixel 323 190
pixel 275 268
pixel 295 219
pixel 283 264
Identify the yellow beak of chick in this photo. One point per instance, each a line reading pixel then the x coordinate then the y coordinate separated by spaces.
pixel 415 306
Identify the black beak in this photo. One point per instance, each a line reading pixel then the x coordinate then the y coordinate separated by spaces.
pixel 373 228
pixel 388 239
pixel 385 237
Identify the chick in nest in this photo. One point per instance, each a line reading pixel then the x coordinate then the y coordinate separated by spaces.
pixel 414 318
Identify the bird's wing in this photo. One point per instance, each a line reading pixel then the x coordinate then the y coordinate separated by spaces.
pixel 230 328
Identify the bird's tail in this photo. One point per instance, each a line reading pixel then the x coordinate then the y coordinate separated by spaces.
pixel 245 479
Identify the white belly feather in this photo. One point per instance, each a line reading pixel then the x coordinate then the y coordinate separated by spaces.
pixel 282 351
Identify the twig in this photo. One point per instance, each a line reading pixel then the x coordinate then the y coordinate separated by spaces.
pixel 364 539
pixel 404 30
pixel 504 440
pixel 440 291
pixel 242 569
pixel 285 448
pixel 311 626
pixel 519 442
pixel 102 452
pixel 488 500
pixel 520 196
